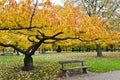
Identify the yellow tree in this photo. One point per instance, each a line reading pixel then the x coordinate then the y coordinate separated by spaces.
pixel 105 8
pixel 26 25
pixel 97 30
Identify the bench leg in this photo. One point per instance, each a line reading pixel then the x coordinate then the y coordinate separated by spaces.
pixel 65 73
pixel 84 70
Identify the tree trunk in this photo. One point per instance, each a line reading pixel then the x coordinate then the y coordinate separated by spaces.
pixel 99 50
pixel 28 63
pixel 59 49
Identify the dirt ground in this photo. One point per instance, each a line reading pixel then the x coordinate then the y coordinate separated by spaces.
pixel 114 75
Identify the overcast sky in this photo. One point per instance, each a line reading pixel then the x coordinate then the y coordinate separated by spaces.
pixel 57 1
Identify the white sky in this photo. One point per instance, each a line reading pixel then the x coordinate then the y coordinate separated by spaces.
pixel 57 2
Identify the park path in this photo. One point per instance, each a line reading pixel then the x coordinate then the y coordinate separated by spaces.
pixel 113 75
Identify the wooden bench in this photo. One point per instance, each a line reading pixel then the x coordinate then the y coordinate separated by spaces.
pixel 64 70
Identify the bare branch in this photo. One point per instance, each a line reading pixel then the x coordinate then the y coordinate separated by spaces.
pixel 84 4
pixel 100 8
pixel 115 8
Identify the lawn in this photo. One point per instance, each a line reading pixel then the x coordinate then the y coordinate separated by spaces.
pixel 47 67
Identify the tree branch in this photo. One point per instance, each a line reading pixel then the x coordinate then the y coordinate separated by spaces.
pixel 20 28
pixel 88 40
pixel 100 8
pixel 59 39
pixel 42 34
pixel 13 46
pixel 37 37
pixel 49 42
pixel 31 19
pixel 35 46
pixel 18 24
pixel 33 41
pixel 29 49
pixel 116 7
pixel 57 34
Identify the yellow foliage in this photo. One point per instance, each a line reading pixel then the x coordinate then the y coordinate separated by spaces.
pixel 51 19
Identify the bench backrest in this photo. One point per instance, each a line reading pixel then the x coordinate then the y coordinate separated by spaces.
pixel 71 61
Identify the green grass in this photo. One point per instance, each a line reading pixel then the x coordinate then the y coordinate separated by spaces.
pixel 48 67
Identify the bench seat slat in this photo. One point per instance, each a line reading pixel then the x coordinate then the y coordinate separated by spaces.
pixel 79 67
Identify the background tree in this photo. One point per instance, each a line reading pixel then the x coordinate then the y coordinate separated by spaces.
pixel 105 8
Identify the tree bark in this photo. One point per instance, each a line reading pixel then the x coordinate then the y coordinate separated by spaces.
pixel 59 49
pixel 99 50
pixel 28 63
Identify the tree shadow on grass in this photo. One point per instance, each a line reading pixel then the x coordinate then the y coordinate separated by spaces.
pixel 36 68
